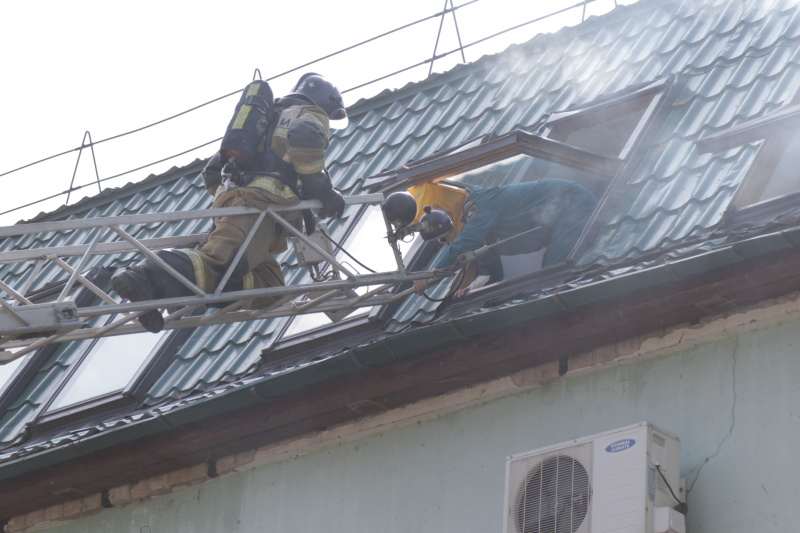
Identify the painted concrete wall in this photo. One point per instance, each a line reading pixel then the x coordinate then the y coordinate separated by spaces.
pixel 734 403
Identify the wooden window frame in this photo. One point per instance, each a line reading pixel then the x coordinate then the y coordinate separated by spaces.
pixel 775 130
pixel 655 97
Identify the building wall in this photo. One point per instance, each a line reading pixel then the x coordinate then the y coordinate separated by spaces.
pixel 734 403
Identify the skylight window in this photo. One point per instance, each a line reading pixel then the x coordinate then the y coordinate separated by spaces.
pixel 368 246
pixel 108 367
pixel 783 179
pixel 772 174
pixel 7 370
pixel 585 145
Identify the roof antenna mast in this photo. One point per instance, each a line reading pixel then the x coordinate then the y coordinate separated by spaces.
pixel 439 34
pixel 84 144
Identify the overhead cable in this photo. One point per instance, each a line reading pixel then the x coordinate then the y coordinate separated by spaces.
pixel 430 61
pixel 238 91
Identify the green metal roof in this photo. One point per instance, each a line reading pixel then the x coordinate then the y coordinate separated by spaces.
pixel 738 60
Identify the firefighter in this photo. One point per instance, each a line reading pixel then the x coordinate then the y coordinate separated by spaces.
pixel 298 145
pixel 558 209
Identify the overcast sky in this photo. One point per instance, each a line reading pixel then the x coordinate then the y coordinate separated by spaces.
pixel 108 68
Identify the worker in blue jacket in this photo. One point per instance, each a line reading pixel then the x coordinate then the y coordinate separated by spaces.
pixel 546 213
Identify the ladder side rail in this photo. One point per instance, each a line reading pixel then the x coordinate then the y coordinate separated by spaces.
pixel 104 248
pixel 178 313
pixel 32 347
pixel 370 293
pixel 122 220
pixel 121 321
pixel 172 216
pixel 233 306
pixel 291 309
pixel 307 305
pixel 253 314
pixel 250 294
pixel 400 295
pixel 286 309
pixel 123 327
pixel 236 305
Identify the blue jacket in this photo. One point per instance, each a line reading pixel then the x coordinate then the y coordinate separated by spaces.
pixel 560 207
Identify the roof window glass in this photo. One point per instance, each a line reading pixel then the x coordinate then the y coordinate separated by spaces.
pixel 368 251
pixel 109 366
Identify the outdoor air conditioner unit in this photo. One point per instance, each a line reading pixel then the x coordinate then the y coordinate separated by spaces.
pixel 622 481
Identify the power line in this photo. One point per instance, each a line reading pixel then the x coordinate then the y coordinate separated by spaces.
pixel 79 187
pixel 82 146
pixel 442 14
pixel 238 91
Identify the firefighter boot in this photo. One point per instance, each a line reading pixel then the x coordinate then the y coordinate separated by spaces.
pixel 133 284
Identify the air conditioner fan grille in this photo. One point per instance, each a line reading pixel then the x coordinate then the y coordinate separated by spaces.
pixel 554 496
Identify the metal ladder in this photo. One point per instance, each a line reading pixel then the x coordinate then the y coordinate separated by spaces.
pixel 27 326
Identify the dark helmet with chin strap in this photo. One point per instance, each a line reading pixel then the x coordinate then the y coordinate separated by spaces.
pixel 400 209
pixel 322 93
pixel 434 224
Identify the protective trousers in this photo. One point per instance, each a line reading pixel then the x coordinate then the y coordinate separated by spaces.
pixel 206 265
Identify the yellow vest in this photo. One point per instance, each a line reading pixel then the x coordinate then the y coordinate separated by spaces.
pixel 444 197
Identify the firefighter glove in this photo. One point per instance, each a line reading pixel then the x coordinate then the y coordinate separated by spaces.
pixel 332 204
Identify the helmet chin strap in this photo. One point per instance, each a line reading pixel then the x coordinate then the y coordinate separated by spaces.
pixel 434 225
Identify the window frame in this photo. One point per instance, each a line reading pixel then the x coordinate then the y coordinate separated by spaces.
pixel 352 320
pixel 141 380
pixel 774 130
pixel 122 395
pixel 616 170
pixel 132 393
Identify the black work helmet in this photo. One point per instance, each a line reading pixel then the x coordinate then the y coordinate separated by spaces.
pixel 400 209
pixel 322 93
pixel 435 224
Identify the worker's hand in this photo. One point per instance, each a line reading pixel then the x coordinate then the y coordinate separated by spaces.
pixel 332 204
pixel 461 293
pixel 421 284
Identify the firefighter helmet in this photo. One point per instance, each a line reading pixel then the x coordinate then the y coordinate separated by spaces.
pixel 322 93
pixel 435 224
pixel 400 209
